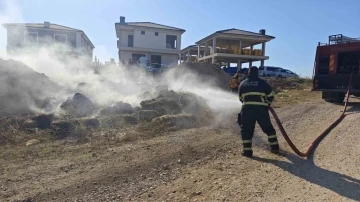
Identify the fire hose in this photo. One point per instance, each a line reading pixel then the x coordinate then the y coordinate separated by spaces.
pixel 317 139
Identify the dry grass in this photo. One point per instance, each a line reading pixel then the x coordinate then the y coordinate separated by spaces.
pixel 292 91
pixel 280 84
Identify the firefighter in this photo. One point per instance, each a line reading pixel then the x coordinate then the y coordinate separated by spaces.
pixel 256 96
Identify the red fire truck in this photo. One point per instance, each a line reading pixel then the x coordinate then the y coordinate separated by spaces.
pixel 335 61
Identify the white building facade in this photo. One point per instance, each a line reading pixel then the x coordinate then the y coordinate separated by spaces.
pixel 22 36
pixel 160 43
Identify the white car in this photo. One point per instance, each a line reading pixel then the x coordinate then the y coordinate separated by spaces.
pixel 285 73
pixel 268 71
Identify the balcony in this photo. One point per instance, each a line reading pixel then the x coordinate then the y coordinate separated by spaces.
pixel 237 51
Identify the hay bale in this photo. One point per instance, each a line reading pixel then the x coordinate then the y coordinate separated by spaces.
pixel 177 121
pixel 169 94
pixel 78 106
pixel 130 119
pixel 146 96
pixel 107 111
pixel 43 121
pixel 170 105
pixel 147 115
pixel 32 142
pixel 92 123
pixel 28 124
pixel 123 108
pixel 63 128
pixel 118 108
pixel 21 86
pixel 197 106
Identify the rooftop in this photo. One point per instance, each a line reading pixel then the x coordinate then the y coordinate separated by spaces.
pixel 150 25
pixel 43 26
pixel 238 32
pixel 192 47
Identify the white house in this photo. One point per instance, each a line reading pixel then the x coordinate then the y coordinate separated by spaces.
pixel 21 36
pixel 160 43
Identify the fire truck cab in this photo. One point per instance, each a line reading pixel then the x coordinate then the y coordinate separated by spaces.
pixel 334 63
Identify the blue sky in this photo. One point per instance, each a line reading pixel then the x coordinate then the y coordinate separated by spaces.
pixel 297 24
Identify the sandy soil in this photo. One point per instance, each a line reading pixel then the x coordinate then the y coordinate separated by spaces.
pixel 202 164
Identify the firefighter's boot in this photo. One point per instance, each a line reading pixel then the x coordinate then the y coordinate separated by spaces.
pixel 274 149
pixel 247 153
pixel 274 145
pixel 247 150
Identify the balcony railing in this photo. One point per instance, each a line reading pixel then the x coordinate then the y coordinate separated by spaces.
pixel 237 51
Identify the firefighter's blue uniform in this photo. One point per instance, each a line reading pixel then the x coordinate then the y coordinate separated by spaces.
pixel 256 96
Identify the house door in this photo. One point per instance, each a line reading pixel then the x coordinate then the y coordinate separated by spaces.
pixel 156 61
pixel 135 57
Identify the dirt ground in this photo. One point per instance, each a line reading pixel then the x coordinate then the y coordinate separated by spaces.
pixel 199 164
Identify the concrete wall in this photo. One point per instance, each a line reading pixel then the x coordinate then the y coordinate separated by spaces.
pixel 85 45
pixel 124 37
pixel 148 40
pixel 16 36
pixel 77 40
pixel 166 59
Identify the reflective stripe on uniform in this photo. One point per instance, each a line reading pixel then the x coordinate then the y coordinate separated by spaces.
pixel 271 94
pixel 253 93
pixel 271 136
pixel 247 141
pixel 274 143
pixel 262 96
pixel 247 149
pixel 256 103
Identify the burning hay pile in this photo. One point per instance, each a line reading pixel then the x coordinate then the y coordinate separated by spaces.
pixel 22 90
pixel 26 96
pixel 167 111
pixel 169 108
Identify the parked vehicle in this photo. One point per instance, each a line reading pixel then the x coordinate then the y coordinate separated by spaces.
pixel 268 70
pixel 233 70
pixel 230 70
pixel 335 61
pixel 285 73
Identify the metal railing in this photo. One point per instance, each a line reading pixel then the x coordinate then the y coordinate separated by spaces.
pixel 339 39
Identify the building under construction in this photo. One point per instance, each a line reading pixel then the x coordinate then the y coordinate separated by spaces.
pixel 229 46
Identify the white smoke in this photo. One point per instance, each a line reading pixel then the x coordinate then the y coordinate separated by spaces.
pixel 9 12
pixel 105 85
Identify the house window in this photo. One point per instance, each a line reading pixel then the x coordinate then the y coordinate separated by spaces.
pixel 31 38
pixel 156 61
pixel 60 38
pixel 156 33
pixel 130 40
pixel 135 57
pixel 171 41
pixel 143 32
